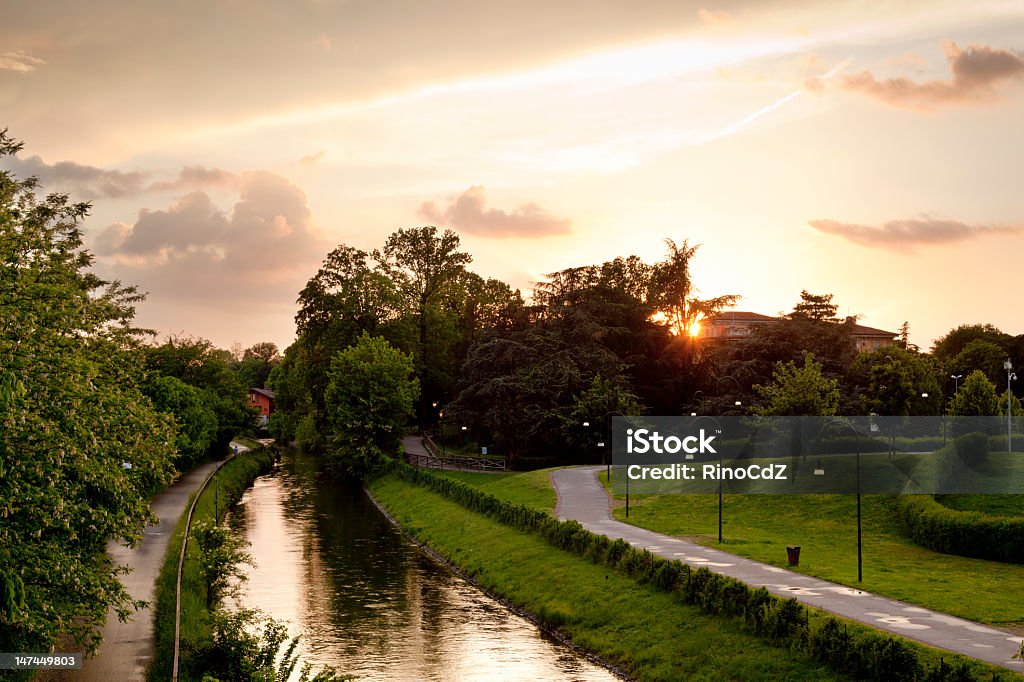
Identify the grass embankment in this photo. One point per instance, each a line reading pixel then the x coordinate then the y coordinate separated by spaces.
pixel 530 488
pixel 636 626
pixel 825 526
pixel 223 491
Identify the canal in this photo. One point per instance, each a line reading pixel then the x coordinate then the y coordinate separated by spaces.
pixel 368 601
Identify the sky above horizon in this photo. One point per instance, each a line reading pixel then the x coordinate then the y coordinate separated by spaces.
pixel 866 149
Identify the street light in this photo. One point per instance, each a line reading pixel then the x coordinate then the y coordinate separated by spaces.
pixel 839 422
pixel 956 382
pixel 1010 376
pixel 586 442
pixel 719 426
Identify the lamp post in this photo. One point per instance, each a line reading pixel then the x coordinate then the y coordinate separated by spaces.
pixel 956 382
pixel 735 381
pixel 609 451
pixel 586 442
pixel 440 428
pixel 860 555
pixel 1010 376
pixel 718 424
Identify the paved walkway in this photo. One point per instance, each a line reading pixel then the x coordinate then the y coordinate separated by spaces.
pixel 128 647
pixel 581 497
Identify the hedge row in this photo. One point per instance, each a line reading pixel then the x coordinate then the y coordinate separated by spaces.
pixel 966 533
pixel 866 654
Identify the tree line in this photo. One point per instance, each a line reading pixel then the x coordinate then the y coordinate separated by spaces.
pixel 523 376
pixel 95 418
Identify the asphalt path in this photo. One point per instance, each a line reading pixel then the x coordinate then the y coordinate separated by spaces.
pixel 127 647
pixel 582 498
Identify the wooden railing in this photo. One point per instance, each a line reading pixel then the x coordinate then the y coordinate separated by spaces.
pixel 435 459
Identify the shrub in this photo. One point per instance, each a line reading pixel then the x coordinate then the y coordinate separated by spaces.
pixel 965 533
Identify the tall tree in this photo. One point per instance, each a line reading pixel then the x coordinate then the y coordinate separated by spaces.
pixel 673 293
pixel 976 398
pixel 815 307
pixel 81 448
pixel 427 268
pixel 370 397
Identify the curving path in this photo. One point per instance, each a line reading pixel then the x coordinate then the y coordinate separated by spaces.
pixel 582 498
pixel 127 648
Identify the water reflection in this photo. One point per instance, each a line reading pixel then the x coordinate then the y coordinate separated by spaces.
pixel 369 602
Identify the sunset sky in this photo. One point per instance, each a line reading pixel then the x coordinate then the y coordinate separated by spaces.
pixel 868 149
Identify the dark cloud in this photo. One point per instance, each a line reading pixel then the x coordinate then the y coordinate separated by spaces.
pixel 84 182
pixel 90 182
pixel 467 214
pixel 260 251
pixel 903 234
pixel 976 73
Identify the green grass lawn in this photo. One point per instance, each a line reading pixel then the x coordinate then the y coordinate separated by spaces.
pixel 531 488
pixel 825 527
pixel 650 632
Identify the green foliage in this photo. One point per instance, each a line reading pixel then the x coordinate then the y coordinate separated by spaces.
pixel 797 391
pixel 199 364
pixel 966 533
pixel 369 399
pixel 224 490
pixel 71 413
pixel 247 645
pixel 976 397
pixel 221 556
pixel 194 416
pixel 892 381
pixel 815 307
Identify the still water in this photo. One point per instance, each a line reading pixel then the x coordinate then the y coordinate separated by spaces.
pixel 368 601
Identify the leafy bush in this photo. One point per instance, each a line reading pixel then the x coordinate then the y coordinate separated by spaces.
pixel 965 533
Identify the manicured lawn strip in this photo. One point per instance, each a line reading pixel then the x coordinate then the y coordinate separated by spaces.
pixel 224 490
pixel 532 488
pixel 825 526
pixel 646 631
pixel 848 645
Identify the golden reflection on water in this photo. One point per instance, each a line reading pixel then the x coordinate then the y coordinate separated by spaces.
pixel 368 602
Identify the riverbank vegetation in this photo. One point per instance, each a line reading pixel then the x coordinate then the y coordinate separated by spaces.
pixel 824 526
pixel 510 550
pixel 82 448
pixel 224 489
pixel 217 643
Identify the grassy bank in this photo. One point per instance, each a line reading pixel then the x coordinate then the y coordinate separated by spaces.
pixel 224 490
pixel 638 627
pixel 825 526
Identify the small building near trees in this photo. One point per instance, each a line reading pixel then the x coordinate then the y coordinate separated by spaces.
pixel 263 399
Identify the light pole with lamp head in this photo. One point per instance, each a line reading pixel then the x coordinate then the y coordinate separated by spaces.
pixel 1010 376
pixel 821 472
pixel 718 425
pixel 586 442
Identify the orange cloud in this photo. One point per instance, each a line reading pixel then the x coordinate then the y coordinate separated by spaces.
pixel 904 234
pixel 467 214
pixel 976 73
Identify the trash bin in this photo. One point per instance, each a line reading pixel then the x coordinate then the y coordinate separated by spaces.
pixel 793 553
